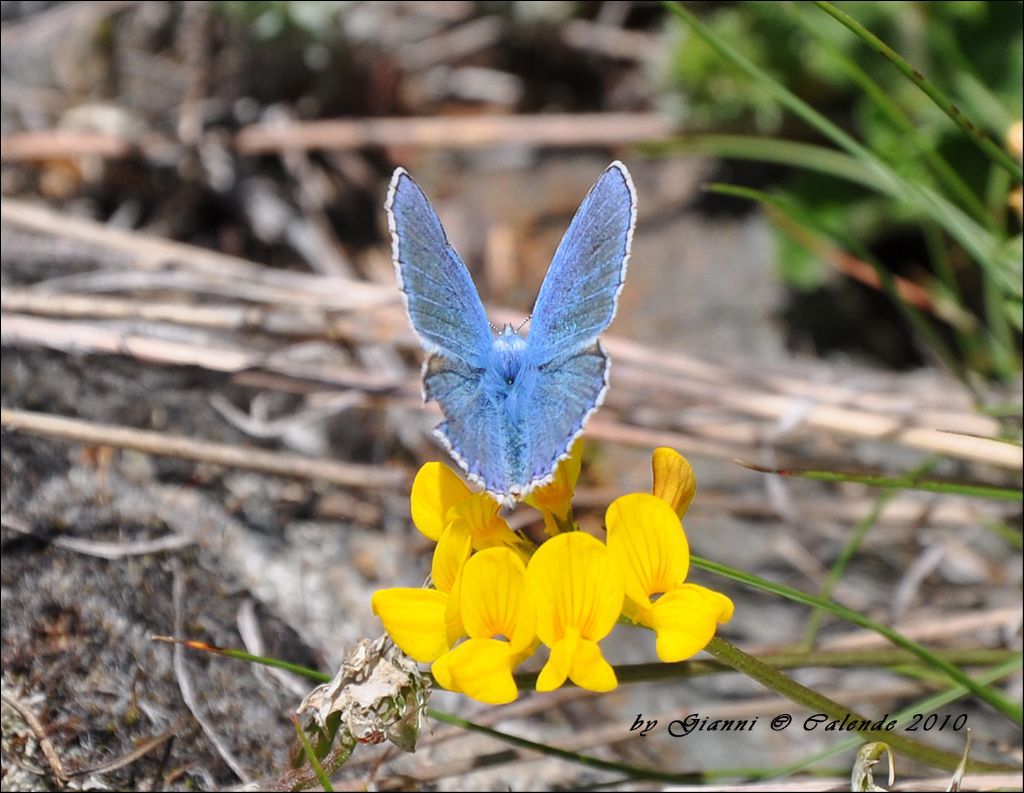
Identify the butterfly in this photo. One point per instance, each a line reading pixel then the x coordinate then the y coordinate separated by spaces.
pixel 513 406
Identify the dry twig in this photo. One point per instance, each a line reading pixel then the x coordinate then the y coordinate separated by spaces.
pixel 749 405
pixel 185 683
pixel 550 130
pixel 39 731
pixel 104 550
pixel 137 753
pixel 458 132
pixel 279 464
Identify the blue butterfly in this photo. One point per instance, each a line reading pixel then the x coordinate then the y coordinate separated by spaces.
pixel 513 406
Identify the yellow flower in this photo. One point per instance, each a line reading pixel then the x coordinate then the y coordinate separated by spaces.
pixel 647 541
pixel 435 490
pixel 577 590
pixel 440 502
pixel 425 623
pixel 1015 139
pixel 674 481
pixel 568 594
pixel 499 619
pixel 554 499
pixel 477 518
pixel 1016 201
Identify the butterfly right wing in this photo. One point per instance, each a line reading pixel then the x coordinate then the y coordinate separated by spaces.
pixel 567 390
pixel 580 292
pixel 443 304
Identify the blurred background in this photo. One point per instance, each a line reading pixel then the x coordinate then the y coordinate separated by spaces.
pixel 211 391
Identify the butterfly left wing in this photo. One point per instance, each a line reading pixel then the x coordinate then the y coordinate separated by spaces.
pixel 443 304
pixel 474 431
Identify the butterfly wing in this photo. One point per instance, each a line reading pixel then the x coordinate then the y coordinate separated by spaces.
pixel 510 446
pixel 579 295
pixel 565 393
pixel 576 303
pixel 511 453
pixel 443 305
pixel 474 430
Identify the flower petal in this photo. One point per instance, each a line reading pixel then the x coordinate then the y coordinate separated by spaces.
pixel 576 584
pixel 453 614
pixel 436 489
pixel 450 554
pixel 579 660
pixel 479 668
pixel 478 515
pixel 556 670
pixel 494 599
pixel 685 620
pixel 674 480
pixel 590 670
pixel 415 620
pixel 555 498
pixel 648 543
pixel 720 602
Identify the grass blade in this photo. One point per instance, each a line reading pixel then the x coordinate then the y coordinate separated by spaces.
pixel 807 156
pixel 755 669
pixel 849 549
pixel 975 133
pixel 906 482
pixel 926 705
pixel 918 145
pixel 801 219
pixel 307 748
pixel 1003 704
pixel 633 772
pixel 241 655
pixel 971 236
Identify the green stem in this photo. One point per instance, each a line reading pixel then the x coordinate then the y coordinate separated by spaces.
pixel 818 703
pixel 729 657
pixel 1004 705
pixel 926 705
pixel 860 531
pixel 633 772
pixel 909 481
pixel 241 655
pixel 974 132
pixel 820 659
pixel 311 756
pixel 938 255
pixel 1006 532
pixel 854 542
pixel 981 656
pixel 787 99
pixel 1001 340
pixel 949 290
pixel 929 657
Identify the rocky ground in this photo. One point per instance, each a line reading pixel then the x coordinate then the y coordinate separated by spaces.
pixel 286 565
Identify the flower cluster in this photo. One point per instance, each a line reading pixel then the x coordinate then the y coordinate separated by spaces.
pixel 494 596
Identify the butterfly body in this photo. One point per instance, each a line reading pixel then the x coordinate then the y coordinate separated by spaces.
pixel 509 374
pixel 513 405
